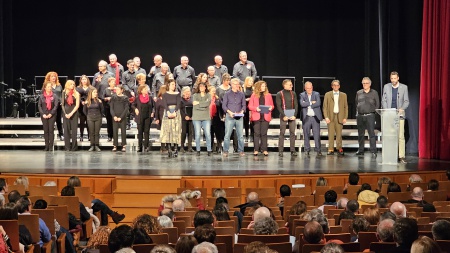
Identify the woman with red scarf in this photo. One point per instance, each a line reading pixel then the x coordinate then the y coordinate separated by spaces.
pixel 70 103
pixel 48 104
pixel 57 89
pixel 143 108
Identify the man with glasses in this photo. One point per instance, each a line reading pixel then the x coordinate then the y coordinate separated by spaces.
pixel 367 101
pixel 335 111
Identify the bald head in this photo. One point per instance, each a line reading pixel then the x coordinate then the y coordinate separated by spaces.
pixel 398 209
pixel 313 232
pixel 252 197
pixel 260 213
pixel 417 193
pixel 178 205
pixel 342 203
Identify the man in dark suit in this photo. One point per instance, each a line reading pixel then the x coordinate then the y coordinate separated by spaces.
pixel 311 116
pixel 335 111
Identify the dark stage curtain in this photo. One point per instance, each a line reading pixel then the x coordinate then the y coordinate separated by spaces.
pixel 434 120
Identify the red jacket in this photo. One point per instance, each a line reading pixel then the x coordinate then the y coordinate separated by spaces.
pixel 253 103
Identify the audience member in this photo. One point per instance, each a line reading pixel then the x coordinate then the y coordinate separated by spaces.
pixel 148 223
pixel 298 208
pixel 165 222
pixel 313 233
pixel 252 199
pixel 205 233
pixel 141 236
pixel 366 196
pixel 398 209
pixel 414 178
pixel 13 196
pixel 372 215
pixel 352 206
pixel 121 237
pixel 330 199
pixel 388 215
pixel 24 208
pixel 405 233
pixel 441 230
pixel 425 245
pixel 353 179
pixel 205 247
pixel 317 215
pixel 260 213
pixel 185 244
pixel 265 226
pixel 163 248
pixel 382 202
pixel 256 247
pixel 393 187
pixel 99 237
pixel 433 185
pixel 285 191
pixel 219 192
pixel 84 214
pixel 381 181
pixel 332 247
pixel 342 203
pixel 203 217
pixel 417 197
pixel 359 224
pixel 385 230
pixel 345 215
pixel 221 212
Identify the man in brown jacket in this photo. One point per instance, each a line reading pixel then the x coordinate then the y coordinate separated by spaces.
pixel 335 111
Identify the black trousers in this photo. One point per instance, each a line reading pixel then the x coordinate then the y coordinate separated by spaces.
pixel 83 122
pixel 364 122
pixel 218 130
pixel 260 129
pixel 292 126
pixel 94 125
pixel 98 205
pixel 187 128
pixel 248 125
pixel 58 120
pixel 109 122
pixel 70 132
pixel 49 131
pixel 123 128
pixel 144 131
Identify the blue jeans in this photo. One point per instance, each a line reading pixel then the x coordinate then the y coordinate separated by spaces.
pixel 206 125
pixel 239 125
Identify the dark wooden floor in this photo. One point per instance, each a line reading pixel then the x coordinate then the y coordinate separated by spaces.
pixel 156 164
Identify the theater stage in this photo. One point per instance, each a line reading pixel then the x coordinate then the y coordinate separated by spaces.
pixel 156 164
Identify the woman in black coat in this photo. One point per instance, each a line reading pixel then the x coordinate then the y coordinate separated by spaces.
pixel 48 105
pixel 119 105
pixel 143 107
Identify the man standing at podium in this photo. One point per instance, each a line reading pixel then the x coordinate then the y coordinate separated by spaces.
pixel 367 101
pixel 335 111
pixel 395 95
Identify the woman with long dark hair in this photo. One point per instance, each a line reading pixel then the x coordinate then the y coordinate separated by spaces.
pixel 201 116
pixel 119 105
pixel 217 125
pixel 52 77
pixel 159 113
pixel 260 97
pixel 171 122
pixel 48 105
pixel 106 98
pixel 70 103
pixel 93 110
pixel 143 107
pixel 83 88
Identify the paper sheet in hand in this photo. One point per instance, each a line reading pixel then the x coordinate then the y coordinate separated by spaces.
pixel 264 109
pixel 237 115
pixel 289 112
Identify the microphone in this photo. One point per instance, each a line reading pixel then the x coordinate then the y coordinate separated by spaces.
pixel 3 83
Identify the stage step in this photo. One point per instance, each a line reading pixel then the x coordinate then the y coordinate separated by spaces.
pixel 168 186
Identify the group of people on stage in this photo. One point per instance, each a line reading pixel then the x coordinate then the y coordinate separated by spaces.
pixel 182 104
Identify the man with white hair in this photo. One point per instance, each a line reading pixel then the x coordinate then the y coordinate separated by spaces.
pixel 219 68
pixel 415 178
pixel 184 74
pixel 205 247
pixel 342 203
pixel 252 200
pixel 158 79
pixel 244 68
pixel 398 209
pixel 137 66
pixel 260 213
pixel 385 230
pixel 157 60
pixel 178 205
pixel 101 78
pixel 212 78
pixel 116 68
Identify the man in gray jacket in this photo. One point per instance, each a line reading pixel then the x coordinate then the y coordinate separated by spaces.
pixel 395 95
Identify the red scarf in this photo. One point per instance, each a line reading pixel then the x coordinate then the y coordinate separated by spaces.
pixel 143 99
pixel 116 65
pixel 48 99
pixel 213 108
pixel 70 98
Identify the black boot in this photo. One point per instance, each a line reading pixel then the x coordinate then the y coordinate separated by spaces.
pixel 169 149
pixel 175 153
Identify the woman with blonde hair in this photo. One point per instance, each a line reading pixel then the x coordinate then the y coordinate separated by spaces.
pixel 171 122
pixel 70 103
pixel 248 91
pixel 53 78
pixel 201 78
pixel 48 105
pixel 260 97
pixel 425 245
pixel 93 110
pixel 83 88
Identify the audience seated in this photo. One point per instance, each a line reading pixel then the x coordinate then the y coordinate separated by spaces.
pixel 332 247
pixel 385 230
pixel 252 200
pixel 342 203
pixel 121 239
pixel 260 213
pixel 10 212
pixel 265 226
pixel 256 247
pixel 359 224
pixel 393 187
pixel 417 197
pixel 298 208
pixel 321 181
pixel 185 244
pixel 414 178
pixel 205 247
pixel 388 215
pixel 345 215
pixel 398 209
pixel 317 215
pixel 219 192
pixel 441 230
pixel 2 200
pixel 381 181
pixel 425 245
pixel 24 208
pixel 285 191
pixel 330 199
pixel 220 211
pixel 372 215
pixel 163 248
pixel 205 233
pixel 224 202
pixel 13 196
pixel 148 223
pixel 352 206
pixel 366 196
pixel 99 237
pixel 165 222
pixel 353 179
pixel 141 236
pixel 84 214
pixel 405 233
pixel 203 217
pixel 23 180
pixel 433 185
pixel 382 202
pixel 313 233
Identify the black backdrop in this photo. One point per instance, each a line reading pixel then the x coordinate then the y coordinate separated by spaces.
pixel 346 39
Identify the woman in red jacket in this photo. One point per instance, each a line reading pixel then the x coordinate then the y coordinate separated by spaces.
pixel 260 106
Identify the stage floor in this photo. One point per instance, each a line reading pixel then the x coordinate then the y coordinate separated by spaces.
pixel 156 164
